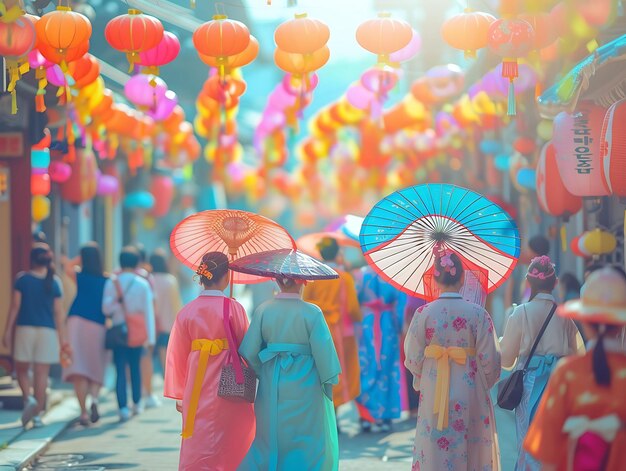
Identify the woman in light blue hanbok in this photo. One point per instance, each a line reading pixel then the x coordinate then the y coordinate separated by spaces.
pixel 522 328
pixel 379 352
pixel 291 349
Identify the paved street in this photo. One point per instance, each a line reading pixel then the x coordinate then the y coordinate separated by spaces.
pixel 150 442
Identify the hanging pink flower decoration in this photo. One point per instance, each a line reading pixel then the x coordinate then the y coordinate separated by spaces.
pixel 145 90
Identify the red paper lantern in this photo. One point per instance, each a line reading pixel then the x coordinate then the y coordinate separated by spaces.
pixel 383 36
pixel 301 35
pixel 40 184
pixel 162 188
pixel 163 53
pixel 511 39
pixel 17 39
pixel 613 148
pixel 468 31
pixel 577 139
pixel 63 36
pixel 524 145
pixel 82 184
pixel 133 33
pixel 554 199
pixel 575 247
pixel 221 38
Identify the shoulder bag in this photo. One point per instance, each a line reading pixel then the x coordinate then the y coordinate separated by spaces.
pixel 510 391
pixel 117 335
pixel 237 379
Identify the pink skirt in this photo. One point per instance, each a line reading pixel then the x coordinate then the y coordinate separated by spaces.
pixel 89 356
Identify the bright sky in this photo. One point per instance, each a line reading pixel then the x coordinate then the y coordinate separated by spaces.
pixel 342 16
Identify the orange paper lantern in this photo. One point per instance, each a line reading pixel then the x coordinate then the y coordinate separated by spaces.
pixel 83 182
pixel 543 26
pixel 221 38
pixel 301 35
pixel 133 33
pixel 384 35
pixel 468 31
pixel 63 36
pixel 239 60
pixel 84 71
pixel 299 64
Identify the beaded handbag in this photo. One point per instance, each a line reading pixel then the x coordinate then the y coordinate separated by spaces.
pixel 237 379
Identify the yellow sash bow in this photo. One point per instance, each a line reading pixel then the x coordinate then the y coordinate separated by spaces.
pixel 207 348
pixel 444 355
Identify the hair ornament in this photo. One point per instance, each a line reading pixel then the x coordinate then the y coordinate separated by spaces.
pixel 445 260
pixel 203 270
pixel 545 262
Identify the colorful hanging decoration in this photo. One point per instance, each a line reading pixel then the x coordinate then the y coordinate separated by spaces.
pixel 511 38
pixel 468 31
pixel 383 36
pixel 133 33
pixel 17 39
pixel 221 38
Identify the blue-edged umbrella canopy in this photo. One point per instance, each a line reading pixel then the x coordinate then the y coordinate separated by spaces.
pixel 284 263
pixel 399 234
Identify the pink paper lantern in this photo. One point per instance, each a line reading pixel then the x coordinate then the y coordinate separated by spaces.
pixel 36 59
pixel 164 53
pixel 164 107
pixel 55 76
pixel 279 99
pixel 359 97
pixel 409 51
pixel 59 172
pixel 145 90
pixel 577 139
pixel 107 185
pixel 379 80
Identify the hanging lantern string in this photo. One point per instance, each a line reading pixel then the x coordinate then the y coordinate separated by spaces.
pixel 16 70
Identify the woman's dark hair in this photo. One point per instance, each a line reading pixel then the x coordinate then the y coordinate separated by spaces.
pixel 448 269
pixel 91 259
pixel 601 370
pixel 129 257
pixel 158 261
pixel 141 251
pixel 41 257
pixel 541 276
pixel 213 267
pixel 570 283
pixel 329 248
pixel 540 245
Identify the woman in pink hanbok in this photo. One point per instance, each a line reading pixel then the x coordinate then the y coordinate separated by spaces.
pixel 217 432
pixel 452 351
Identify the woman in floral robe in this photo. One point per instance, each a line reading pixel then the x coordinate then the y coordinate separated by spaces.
pixel 452 351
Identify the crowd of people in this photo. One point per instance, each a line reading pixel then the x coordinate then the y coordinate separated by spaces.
pixel 317 346
pixel 41 333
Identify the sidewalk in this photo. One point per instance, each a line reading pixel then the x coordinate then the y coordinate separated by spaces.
pixel 19 447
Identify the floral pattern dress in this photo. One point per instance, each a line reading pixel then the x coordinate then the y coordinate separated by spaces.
pixel 469 440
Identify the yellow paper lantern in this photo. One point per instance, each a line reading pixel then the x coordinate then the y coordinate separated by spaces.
pixel 40 207
pixel 599 242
